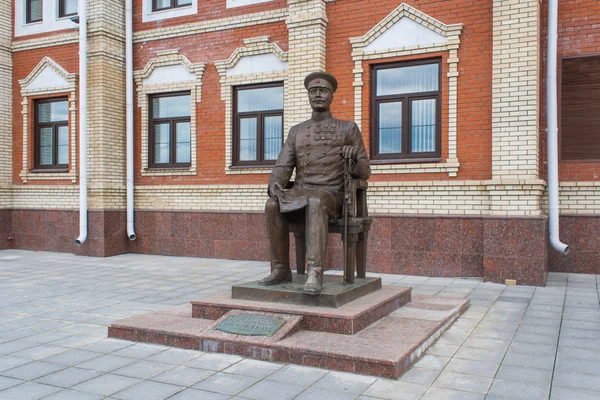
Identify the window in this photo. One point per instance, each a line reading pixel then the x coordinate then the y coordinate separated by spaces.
pixel 52 134
pixel 406 111
pixel 34 11
pixel 67 8
pixel 170 130
pixel 158 5
pixel 258 124
pixel 580 109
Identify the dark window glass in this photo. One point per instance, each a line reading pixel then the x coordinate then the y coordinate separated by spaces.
pixel 67 8
pixel 33 11
pixel 406 111
pixel 51 134
pixel 170 130
pixel 580 109
pixel 158 5
pixel 258 124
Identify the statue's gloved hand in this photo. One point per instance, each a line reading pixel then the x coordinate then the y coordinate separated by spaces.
pixel 274 188
pixel 349 152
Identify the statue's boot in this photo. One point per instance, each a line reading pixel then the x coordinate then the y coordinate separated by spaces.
pixel 278 275
pixel 314 281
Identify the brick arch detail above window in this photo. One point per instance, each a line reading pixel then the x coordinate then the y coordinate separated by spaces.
pixel 169 72
pixel 407 31
pixel 258 62
pixel 48 79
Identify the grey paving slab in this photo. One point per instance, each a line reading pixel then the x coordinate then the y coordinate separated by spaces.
pixel 268 390
pixel 524 374
pixel 6 382
pixel 41 351
pixel 107 363
pixel 106 385
pixel 226 383
pixel 319 394
pixel 28 391
pixel 33 370
pixel 8 362
pixel 195 394
pixel 420 376
pixel 68 377
pixel 436 393
pixel 106 346
pixel 73 395
pixel 472 367
pixel 394 390
pixel 140 350
pixel 183 376
pixel 561 393
pixel 72 357
pixel 297 374
pixel 148 390
pixel 175 356
pixel 520 390
pixel 463 382
pixel 345 382
pixel 253 368
pixel 212 361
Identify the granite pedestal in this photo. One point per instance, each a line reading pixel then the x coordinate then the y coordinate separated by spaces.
pixel 380 333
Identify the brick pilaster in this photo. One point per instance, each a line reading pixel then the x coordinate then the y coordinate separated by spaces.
pixel 307 23
pixel 106 105
pixel 6 96
pixel 515 108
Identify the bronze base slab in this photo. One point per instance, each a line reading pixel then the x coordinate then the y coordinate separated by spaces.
pixel 334 293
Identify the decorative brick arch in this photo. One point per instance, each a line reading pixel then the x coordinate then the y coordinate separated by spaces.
pixel 387 39
pixel 233 73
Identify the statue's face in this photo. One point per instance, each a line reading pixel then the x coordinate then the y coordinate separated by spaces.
pixel 320 98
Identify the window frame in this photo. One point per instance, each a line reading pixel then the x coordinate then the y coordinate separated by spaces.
pixel 55 124
pixel 61 10
pixel 172 132
pixel 28 19
pixel 173 5
pixel 405 155
pixel 259 115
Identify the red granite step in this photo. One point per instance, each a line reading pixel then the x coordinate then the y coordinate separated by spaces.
pixel 386 348
pixel 347 319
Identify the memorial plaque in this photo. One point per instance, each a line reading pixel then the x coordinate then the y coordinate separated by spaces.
pixel 251 325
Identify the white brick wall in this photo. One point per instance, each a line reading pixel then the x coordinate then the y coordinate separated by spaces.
pixel 5 95
pixel 515 89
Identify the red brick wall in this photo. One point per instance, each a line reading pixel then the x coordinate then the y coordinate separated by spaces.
pixel 207 10
pixel 208 47
pixel 578 35
pixel 353 19
pixel 24 62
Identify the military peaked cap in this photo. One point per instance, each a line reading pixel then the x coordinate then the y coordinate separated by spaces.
pixel 320 79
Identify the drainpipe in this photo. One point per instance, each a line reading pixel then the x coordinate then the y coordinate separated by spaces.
pixel 129 100
pixel 552 99
pixel 83 200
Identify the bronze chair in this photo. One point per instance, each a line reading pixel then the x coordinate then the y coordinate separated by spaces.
pixel 358 232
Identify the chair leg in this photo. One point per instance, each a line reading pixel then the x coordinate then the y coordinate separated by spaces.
pixel 361 256
pixel 351 257
pixel 300 253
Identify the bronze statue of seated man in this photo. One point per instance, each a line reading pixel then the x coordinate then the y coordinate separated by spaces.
pixel 317 148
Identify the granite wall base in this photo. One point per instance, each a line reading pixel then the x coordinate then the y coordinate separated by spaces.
pixel 5 230
pixel 582 234
pixel 489 247
pixel 56 230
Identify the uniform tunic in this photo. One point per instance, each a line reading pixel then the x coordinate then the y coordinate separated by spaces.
pixel 314 149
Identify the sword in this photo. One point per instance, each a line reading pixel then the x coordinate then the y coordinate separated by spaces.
pixel 347 202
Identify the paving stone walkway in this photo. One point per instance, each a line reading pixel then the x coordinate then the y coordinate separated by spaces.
pixel 512 343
